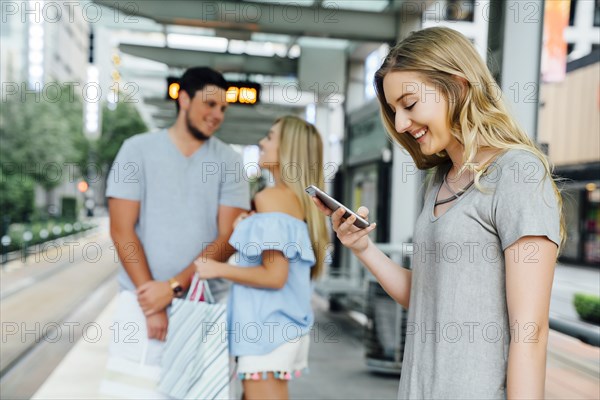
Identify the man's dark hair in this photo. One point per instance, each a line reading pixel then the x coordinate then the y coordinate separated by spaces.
pixel 197 78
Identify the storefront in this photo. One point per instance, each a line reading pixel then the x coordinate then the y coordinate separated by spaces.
pixel 581 205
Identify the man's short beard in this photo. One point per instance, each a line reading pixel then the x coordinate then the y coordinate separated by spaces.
pixel 197 133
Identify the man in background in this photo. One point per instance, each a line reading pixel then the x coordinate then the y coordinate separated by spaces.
pixel 173 196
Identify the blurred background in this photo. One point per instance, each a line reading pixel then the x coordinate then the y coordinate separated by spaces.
pixel 79 77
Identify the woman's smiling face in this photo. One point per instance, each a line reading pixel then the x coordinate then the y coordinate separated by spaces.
pixel 420 111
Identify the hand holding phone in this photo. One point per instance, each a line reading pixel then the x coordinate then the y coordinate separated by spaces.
pixel 333 205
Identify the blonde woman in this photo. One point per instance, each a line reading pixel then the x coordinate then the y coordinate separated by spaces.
pixel 281 248
pixel 486 241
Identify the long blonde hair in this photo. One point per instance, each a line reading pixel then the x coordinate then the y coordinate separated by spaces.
pixel 476 112
pixel 301 149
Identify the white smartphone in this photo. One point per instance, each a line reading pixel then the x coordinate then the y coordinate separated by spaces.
pixel 333 205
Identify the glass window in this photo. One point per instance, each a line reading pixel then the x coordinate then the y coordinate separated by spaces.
pixel 459 10
pixel 571 206
pixel 372 64
pixel 573 7
pixel 591 226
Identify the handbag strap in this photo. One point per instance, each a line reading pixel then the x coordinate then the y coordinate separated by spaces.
pixel 191 294
pixel 207 292
pixel 204 290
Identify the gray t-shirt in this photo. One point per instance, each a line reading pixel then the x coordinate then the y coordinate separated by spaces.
pixel 458 331
pixel 179 197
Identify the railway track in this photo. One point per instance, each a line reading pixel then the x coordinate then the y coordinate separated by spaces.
pixel 46 308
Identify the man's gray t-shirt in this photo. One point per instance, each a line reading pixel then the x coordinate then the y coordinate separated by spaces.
pixel 458 332
pixel 179 198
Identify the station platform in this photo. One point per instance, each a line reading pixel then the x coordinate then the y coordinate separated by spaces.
pixel 337 366
pixel 336 362
pixel 36 292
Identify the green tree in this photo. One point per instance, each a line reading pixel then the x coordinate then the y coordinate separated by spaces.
pixel 16 196
pixel 44 135
pixel 117 125
pixel 40 137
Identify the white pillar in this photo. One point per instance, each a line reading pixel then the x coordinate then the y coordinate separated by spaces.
pixel 330 123
pixel 406 178
pixel 322 71
pixel 522 46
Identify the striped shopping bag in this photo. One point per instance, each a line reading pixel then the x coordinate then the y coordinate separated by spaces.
pixel 195 362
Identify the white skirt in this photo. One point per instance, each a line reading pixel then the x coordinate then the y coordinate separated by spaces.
pixel 286 362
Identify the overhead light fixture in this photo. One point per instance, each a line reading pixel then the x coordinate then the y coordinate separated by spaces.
pixel 172 88
pixel 196 42
pixel 244 93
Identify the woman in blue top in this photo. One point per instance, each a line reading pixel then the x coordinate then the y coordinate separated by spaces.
pixel 280 249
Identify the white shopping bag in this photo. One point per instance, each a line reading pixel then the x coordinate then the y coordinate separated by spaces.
pixel 133 367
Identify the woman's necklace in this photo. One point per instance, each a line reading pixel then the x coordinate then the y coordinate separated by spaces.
pixel 454 194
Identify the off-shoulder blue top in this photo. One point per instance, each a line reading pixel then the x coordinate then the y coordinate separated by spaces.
pixel 259 320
